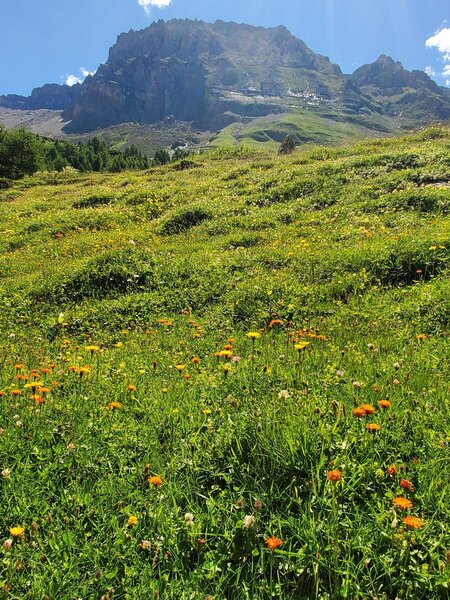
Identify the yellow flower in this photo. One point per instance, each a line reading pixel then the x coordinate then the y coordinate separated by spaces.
pixel 253 335
pixel 93 348
pixel 17 531
pixel 132 521
pixel 301 346
pixel 180 367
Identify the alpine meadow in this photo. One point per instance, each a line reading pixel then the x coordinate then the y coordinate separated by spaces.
pixel 228 376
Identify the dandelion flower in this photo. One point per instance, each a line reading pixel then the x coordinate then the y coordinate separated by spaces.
pixel 335 475
pixel 156 480
pixel 132 521
pixel 384 403
pixel 17 531
pixel 373 427
pixel 407 485
pixel 273 542
pixel 359 412
pixel 412 522
pixel 402 503
pixel 114 405
pixel 253 335
pixel 301 346
pixel 368 409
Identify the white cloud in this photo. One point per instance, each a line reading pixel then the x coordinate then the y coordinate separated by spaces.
pixel 441 41
pixel 74 79
pixel 430 71
pixel 147 4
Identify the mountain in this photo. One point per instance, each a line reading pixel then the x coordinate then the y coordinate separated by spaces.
pixel 411 94
pixel 50 96
pixel 251 83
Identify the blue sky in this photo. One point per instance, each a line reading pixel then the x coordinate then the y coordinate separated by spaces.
pixel 51 40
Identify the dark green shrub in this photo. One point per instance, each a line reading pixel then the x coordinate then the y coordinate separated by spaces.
pixel 93 201
pixel 186 218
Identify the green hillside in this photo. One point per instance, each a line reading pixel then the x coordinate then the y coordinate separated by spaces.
pixel 228 377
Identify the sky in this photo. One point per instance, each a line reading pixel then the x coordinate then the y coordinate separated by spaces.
pixel 59 41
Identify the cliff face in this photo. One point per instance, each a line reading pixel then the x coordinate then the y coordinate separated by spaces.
pixel 196 72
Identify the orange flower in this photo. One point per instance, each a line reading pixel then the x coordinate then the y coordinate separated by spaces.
pixel 131 388
pixel 195 360
pixel 392 470
pixel 273 543
pixel 384 404
pixel 113 405
pixel 16 392
pixel 372 427
pixel 359 412
pixel 2 393
pixel 402 503
pixel 422 336
pixel 155 480
pixel 412 522
pixel 369 409
pixel 407 485
pixel 19 366
pixel 335 475
pixel 275 323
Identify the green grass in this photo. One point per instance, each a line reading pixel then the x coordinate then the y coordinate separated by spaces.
pixel 112 284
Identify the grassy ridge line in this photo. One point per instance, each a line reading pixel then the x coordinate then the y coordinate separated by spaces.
pixel 163 452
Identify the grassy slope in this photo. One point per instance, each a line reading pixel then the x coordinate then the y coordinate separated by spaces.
pixel 304 126
pixel 157 268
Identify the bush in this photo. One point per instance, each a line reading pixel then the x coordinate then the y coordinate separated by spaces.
pixel 185 219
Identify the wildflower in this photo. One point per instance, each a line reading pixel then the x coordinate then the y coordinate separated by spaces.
pixel 144 545
pixel 17 531
pixel 368 409
pixel 155 480
pixel 2 393
pixel 249 522
pixel 206 411
pixel 384 404
pixel 93 349
pixel 201 542
pixel 195 360
pixel 236 359
pixel 16 392
pixel 407 485
pixel 6 473
pixel 19 366
pixel 253 335
pixel 359 412
pixel 7 544
pixel 132 521
pixel 180 367
pixel 392 470
pixel 402 503
pixel 283 395
pixel 257 505
pixel 339 373
pixel 396 366
pixel 273 543
pixel 412 522
pixel 189 519
pixel 301 346
pixel 373 427
pixel 33 385
pixel 275 323
pixel 356 384
pixel 114 405
pixel 422 336
pixel 335 475
pixel 131 388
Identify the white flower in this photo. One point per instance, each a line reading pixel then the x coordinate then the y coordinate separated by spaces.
pixel 283 394
pixel 249 522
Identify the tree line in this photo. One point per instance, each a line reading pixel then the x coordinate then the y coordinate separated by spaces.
pixel 23 153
